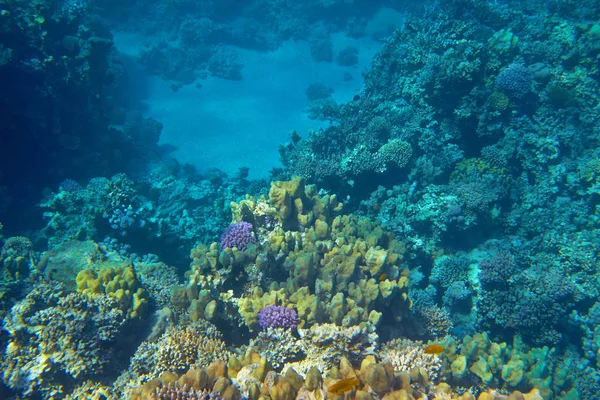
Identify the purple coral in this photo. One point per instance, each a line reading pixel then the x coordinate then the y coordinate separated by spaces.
pixel 516 81
pixel 275 316
pixel 238 235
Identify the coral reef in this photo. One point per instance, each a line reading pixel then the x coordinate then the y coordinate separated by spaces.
pixel 373 380
pixel 178 349
pixel 453 200
pixel 164 210
pixel 508 366
pixel 17 258
pixel 329 268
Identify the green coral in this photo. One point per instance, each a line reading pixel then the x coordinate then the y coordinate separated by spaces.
pixel 507 366
pixel 396 153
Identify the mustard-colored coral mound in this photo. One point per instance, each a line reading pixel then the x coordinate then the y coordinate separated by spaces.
pixel 120 283
pixel 305 246
pixel 251 378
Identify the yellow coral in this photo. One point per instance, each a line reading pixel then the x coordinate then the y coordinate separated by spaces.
pixel 121 284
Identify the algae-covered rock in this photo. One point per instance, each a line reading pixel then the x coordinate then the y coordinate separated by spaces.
pixel 282 390
pixel 294 379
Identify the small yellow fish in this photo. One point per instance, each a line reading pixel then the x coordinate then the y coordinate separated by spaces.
pixel 382 277
pixel 344 385
pixel 434 349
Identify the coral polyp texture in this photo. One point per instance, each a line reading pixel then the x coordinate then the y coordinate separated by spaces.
pixel 275 316
pixel 238 235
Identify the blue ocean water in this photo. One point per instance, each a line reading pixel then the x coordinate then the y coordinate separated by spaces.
pixel 284 200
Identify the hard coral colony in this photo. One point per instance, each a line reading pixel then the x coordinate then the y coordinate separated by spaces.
pixel 436 238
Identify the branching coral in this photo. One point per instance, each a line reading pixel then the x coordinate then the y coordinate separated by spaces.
pixel 279 346
pixel 406 355
pixel 179 349
pixel 329 343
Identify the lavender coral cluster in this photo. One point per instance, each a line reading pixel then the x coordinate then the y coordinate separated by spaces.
pixel 238 235
pixel 516 81
pixel 274 316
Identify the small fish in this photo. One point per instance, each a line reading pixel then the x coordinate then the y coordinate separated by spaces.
pixel 344 385
pixel 434 349
pixel 382 277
